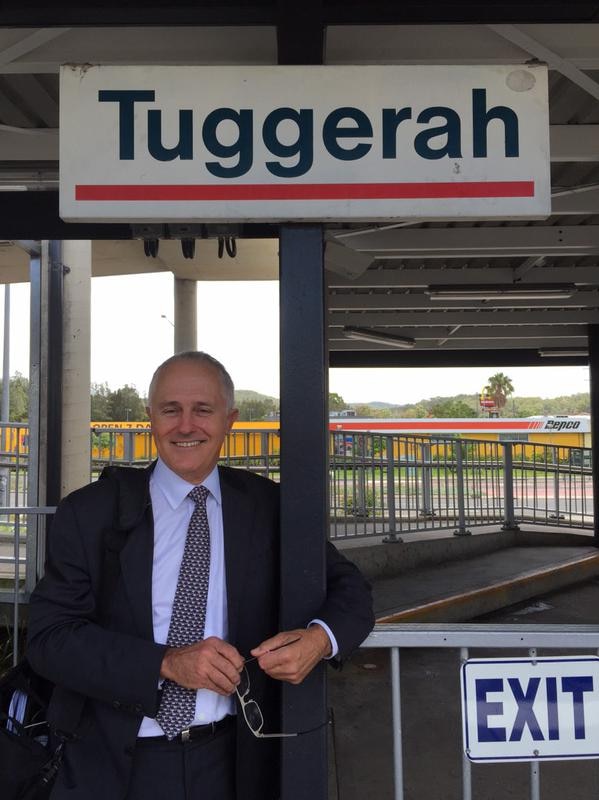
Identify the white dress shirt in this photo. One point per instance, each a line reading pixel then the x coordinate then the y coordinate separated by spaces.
pixel 172 510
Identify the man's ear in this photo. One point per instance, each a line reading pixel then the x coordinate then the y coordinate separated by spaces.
pixel 233 415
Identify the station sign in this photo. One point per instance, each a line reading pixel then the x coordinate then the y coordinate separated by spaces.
pixel 277 143
pixel 524 709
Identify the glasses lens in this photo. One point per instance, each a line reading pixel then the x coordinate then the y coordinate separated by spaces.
pixel 253 716
pixel 243 687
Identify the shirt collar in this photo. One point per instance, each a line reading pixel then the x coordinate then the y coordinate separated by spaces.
pixel 175 489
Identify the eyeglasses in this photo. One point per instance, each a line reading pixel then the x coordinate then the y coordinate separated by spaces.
pixel 252 713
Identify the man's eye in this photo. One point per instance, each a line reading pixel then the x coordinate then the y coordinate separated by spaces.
pixel 169 411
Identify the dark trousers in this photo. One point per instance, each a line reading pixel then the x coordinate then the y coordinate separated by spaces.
pixel 196 770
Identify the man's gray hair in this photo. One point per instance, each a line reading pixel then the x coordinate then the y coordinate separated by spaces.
pixel 204 359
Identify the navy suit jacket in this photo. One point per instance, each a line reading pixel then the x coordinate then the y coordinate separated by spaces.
pixel 104 661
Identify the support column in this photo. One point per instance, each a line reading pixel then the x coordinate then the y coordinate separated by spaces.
pixel 304 502
pixel 593 334
pixel 75 458
pixel 51 393
pixel 186 315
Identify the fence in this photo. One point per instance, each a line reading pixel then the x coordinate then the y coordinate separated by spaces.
pixel 396 483
pixel 381 483
pixel 22 555
pixel 464 638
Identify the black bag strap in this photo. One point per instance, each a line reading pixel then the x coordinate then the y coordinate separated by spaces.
pixel 132 499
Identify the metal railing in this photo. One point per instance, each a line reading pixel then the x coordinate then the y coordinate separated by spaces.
pixel 385 484
pixel 14 463
pixel 22 556
pixel 396 483
pixel 463 638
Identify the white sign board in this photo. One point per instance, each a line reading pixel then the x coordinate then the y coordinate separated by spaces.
pixel 521 709
pixel 303 143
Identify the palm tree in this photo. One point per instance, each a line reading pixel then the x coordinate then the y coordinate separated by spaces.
pixel 500 387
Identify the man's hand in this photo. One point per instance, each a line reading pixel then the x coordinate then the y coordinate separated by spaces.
pixel 208 664
pixel 294 662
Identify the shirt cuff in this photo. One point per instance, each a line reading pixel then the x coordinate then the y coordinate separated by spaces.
pixel 330 634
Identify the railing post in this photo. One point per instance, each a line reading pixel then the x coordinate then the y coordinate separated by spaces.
pixel 427 481
pixel 509 518
pixel 466 766
pixel 397 733
pixel 392 537
pixel 461 529
pixel 556 515
pixel 128 447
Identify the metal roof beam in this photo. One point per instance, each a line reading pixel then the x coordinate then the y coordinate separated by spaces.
pixel 470 318
pixel 487 242
pixel 449 357
pixel 423 278
pixel 482 343
pixel 30 43
pixel 574 143
pixel 419 302
pixel 514 35
pixel 583 200
pixel 488 333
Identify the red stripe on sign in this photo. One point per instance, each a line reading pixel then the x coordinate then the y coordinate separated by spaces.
pixel 304 191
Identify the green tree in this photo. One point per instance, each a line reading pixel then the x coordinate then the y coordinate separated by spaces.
pixel 336 402
pixel 451 407
pixel 126 404
pixel 18 409
pixel 99 402
pixel 500 387
pixel 255 408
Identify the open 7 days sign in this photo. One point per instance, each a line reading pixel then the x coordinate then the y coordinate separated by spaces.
pixel 524 709
pixel 303 143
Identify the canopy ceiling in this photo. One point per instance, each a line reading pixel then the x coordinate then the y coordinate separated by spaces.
pixel 379 277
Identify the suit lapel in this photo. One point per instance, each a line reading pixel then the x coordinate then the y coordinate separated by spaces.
pixel 237 528
pixel 136 567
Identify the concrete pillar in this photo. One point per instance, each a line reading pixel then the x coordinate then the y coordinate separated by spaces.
pixel 77 260
pixel 186 315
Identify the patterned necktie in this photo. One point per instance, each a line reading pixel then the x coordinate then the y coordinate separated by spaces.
pixel 177 706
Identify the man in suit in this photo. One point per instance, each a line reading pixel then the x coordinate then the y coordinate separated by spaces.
pixel 147 677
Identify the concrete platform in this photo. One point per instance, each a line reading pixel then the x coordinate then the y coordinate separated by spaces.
pixel 453 579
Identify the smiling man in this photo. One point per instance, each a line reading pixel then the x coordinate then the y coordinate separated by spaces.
pixel 169 687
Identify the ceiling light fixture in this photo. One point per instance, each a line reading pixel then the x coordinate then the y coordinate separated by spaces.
pixel 377 337
pixel 531 292
pixel 565 353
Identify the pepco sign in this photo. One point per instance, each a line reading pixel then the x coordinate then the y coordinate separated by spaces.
pixel 288 143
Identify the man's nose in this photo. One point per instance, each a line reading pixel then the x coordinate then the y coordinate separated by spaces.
pixel 186 422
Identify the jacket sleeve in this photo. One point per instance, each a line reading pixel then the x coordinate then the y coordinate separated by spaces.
pixel 66 644
pixel 347 609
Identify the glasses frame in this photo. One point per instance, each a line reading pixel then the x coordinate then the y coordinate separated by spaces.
pixel 258 732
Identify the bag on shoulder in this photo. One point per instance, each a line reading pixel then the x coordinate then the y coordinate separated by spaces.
pixel 29 755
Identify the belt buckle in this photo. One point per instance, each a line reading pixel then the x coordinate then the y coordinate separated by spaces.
pixel 185 735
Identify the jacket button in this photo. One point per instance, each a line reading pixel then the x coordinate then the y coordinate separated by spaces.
pixel 138 707
pixel 116 704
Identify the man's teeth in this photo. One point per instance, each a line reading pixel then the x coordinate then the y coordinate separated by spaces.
pixel 187 444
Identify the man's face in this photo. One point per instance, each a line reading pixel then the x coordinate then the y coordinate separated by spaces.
pixel 189 418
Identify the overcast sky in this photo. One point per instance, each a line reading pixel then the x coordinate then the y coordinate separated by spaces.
pixel 238 324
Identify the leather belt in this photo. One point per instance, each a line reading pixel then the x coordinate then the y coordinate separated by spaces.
pixel 194 733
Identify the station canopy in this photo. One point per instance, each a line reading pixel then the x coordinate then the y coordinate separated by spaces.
pixel 405 291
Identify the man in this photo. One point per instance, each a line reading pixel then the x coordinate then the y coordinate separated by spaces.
pixel 146 678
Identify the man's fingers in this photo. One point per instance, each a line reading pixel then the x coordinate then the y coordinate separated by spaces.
pixel 208 664
pixel 281 641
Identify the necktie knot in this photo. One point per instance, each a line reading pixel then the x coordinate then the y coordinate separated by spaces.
pixel 199 495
